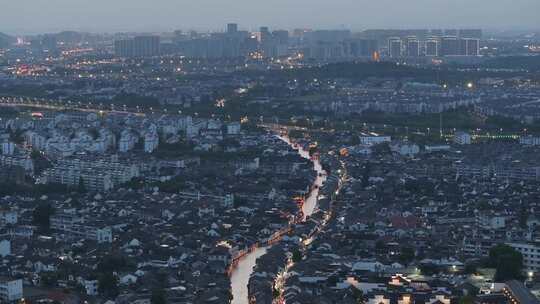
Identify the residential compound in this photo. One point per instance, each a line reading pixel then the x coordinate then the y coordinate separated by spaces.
pixel 99 154
pixel 434 42
pixel 72 226
pixel 95 174
pixel 502 161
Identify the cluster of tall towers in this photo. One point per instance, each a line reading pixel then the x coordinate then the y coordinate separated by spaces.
pixel 316 44
pixel 438 44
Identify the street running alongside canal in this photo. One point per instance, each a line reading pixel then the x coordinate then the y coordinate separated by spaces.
pixel 242 272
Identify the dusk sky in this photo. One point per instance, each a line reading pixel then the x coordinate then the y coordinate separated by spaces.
pixel 34 16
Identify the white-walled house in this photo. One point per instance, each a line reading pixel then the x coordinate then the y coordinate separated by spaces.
pixel 128 279
pixel 11 290
pixel 91 287
pixel 379 299
pixel 462 138
pixel 8 217
pixel 5 248
pixel 233 128
pixel 404 148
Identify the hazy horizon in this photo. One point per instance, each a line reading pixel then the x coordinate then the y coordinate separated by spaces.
pixel 22 17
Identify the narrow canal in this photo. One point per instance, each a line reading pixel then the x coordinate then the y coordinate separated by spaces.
pixel 244 269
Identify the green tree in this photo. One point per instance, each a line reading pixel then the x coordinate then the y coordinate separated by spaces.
pixel 158 296
pixel 42 216
pixel 49 279
pixel 365 174
pixel 15 136
pixel 429 269
pixel 507 262
pixel 380 246
pixel 358 295
pixel 94 133
pixel 275 293
pixel 470 268
pixel 466 300
pixel 406 255
pixel 108 285
pixel 297 256
pixel 112 263
pixel 523 217
pixel 381 149
pixel 332 280
pixel 81 188
pixel 35 154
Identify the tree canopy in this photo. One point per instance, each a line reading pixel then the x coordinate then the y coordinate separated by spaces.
pixel 42 215
pixel 507 261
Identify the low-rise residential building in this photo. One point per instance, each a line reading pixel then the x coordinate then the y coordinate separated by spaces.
pixel 23 161
pixel 531 254
pixel 72 177
pixel 436 148
pixel 91 287
pixel 233 128
pixel 96 174
pixel 8 148
pixel 490 220
pixel 5 248
pixel 72 226
pixel 373 138
pixel 529 140
pixel 462 138
pixel 404 148
pixel 8 216
pixel 11 290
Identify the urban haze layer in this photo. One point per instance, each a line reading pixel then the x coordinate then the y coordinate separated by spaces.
pixel 383 166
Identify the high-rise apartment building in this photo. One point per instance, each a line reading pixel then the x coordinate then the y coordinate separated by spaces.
pixel 140 46
pixel 432 47
pixel 232 28
pixel 282 36
pixel 146 46
pixel 394 47
pixel 362 47
pixel 449 46
pixel 472 46
pixel 413 47
pixel 265 34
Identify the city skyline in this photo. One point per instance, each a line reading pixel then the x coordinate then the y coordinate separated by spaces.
pixel 166 15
